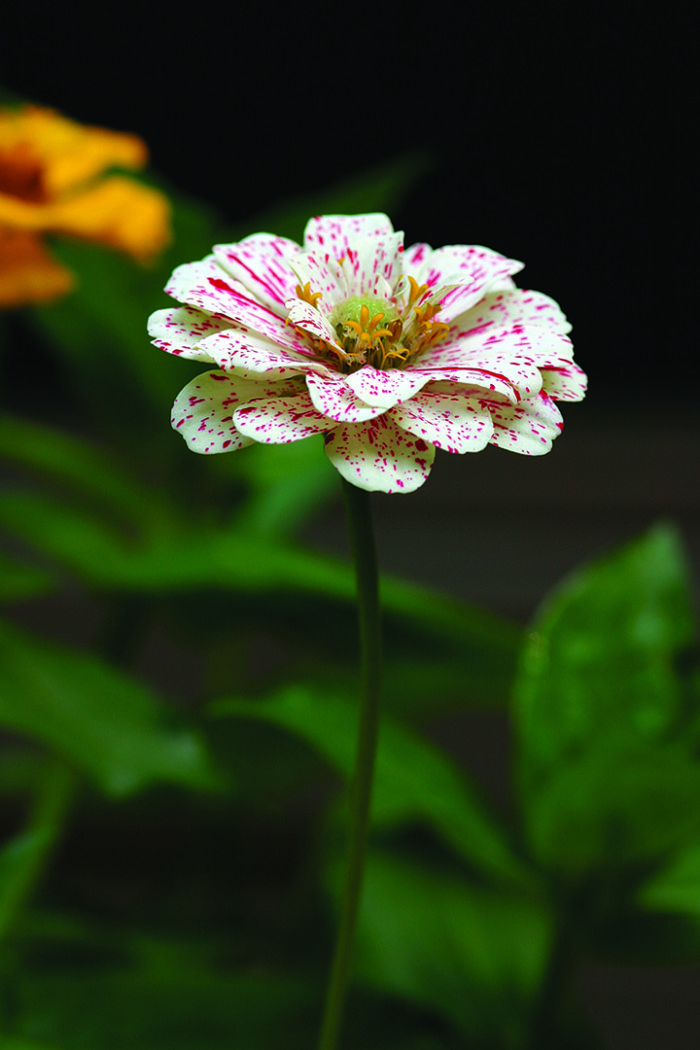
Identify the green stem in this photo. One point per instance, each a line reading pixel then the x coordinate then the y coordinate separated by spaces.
pixel 361 533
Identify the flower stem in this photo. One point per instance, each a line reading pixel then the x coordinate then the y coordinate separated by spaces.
pixel 361 533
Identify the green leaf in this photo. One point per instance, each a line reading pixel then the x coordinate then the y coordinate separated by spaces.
pixel 189 1009
pixel 677 887
pixel 76 464
pixel 471 955
pixel 602 713
pixel 19 580
pixel 600 659
pixel 101 720
pixel 10 1042
pixel 613 808
pixel 413 780
pixel 106 557
pixel 287 482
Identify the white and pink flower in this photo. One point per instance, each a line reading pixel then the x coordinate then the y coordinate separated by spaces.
pixel 388 353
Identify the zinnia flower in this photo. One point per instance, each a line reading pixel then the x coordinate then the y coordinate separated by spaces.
pixel 52 181
pixel 388 353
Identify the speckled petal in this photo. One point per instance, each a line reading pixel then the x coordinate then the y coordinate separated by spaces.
pixel 180 331
pixel 446 417
pixel 468 271
pixel 204 284
pixel 564 381
pixel 385 388
pixel 249 354
pixel 332 396
pixel 370 249
pixel 261 264
pixel 501 308
pixel 311 320
pixel 278 420
pixel 528 427
pixel 504 352
pixel 477 378
pixel 333 233
pixel 203 411
pixel 414 257
pixel 380 456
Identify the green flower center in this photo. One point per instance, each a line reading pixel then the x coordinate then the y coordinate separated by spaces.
pixel 375 331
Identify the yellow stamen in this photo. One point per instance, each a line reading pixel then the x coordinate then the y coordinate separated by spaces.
pixel 306 295
pixel 417 292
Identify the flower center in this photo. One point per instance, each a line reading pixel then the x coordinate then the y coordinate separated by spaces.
pixel 383 333
pixel 21 174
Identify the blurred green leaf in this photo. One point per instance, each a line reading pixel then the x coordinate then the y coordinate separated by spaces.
pixel 19 580
pixel 10 1042
pixel 103 556
pixel 81 466
pixel 101 720
pixel 473 956
pixel 414 781
pixel 286 487
pixel 190 1009
pixel 677 887
pixel 600 659
pixel 606 763
pixel 616 807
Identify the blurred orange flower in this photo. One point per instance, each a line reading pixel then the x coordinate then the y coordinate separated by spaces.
pixel 50 182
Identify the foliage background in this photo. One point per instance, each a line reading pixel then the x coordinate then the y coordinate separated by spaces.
pixel 536 150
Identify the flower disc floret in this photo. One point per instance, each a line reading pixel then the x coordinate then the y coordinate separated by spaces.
pixel 388 353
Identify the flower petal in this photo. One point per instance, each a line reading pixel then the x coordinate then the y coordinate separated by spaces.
pixel 385 388
pixel 304 315
pixel 278 420
pixel 180 331
pixel 446 417
pixel 379 456
pixel 467 272
pixel 564 381
pixel 249 354
pixel 504 352
pixel 261 264
pixel 369 248
pixel 116 212
pixel 333 233
pixel 332 395
pixel 472 378
pixel 69 154
pixel 28 274
pixel 204 285
pixel 501 308
pixel 528 427
pixel 203 411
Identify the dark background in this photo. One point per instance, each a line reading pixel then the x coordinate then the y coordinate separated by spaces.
pixel 557 145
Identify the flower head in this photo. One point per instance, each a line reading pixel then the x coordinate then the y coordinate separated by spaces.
pixel 52 181
pixel 388 353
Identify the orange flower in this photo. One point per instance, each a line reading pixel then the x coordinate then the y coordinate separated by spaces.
pixel 50 182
